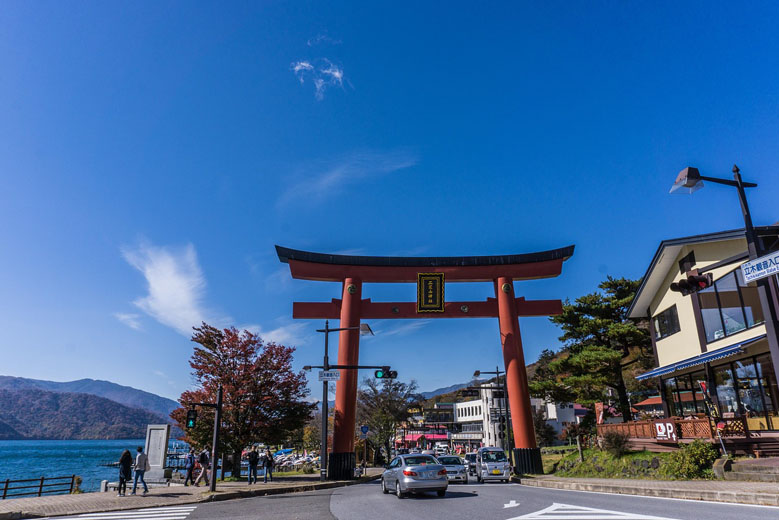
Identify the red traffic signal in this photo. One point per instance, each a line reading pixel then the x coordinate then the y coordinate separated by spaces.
pixel 693 283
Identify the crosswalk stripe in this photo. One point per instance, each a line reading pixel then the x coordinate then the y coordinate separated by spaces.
pixel 568 512
pixel 151 513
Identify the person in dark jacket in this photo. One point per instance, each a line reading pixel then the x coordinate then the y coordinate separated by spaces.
pixel 203 460
pixel 253 458
pixel 190 467
pixel 125 472
pixel 268 467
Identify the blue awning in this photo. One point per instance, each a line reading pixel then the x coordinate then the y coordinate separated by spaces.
pixel 700 359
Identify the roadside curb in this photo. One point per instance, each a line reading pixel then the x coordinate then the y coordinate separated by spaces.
pixel 249 493
pixel 733 497
pixel 216 497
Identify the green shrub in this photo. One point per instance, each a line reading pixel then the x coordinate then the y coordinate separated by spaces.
pixel 308 469
pixel 692 461
pixel 616 443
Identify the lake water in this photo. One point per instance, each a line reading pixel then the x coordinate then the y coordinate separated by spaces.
pixel 35 459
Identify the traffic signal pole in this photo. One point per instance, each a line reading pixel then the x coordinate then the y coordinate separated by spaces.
pixel 323 461
pixel 215 438
pixel 323 450
pixel 214 452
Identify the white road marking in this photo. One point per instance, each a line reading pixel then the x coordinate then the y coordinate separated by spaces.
pixel 513 503
pixel 152 513
pixel 564 511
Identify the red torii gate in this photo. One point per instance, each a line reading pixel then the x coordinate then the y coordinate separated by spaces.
pixel 353 271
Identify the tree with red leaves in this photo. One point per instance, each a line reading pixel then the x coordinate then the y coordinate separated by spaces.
pixel 262 396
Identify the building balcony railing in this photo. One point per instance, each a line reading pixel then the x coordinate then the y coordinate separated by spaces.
pixel 675 428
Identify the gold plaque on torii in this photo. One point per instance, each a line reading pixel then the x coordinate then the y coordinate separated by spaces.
pixel 430 292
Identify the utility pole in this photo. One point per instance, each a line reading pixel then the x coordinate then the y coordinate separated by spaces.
pixel 323 450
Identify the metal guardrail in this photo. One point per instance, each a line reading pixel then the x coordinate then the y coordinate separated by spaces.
pixel 41 486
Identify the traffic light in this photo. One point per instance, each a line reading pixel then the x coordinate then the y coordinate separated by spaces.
pixel 693 283
pixel 386 373
pixel 191 418
pixel 469 393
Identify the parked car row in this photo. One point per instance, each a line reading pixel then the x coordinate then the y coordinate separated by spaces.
pixel 423 472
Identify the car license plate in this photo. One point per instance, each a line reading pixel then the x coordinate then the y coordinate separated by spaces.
pixel 496 472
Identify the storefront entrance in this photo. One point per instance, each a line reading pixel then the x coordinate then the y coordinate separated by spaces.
pixel 742 388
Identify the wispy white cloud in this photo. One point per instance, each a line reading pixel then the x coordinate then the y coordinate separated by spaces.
pixel 300 68
pixel 175 284
pixel 322 72
pixel 129 319
pixel 399 330
pixel 321 39
pixel 290 335
pixel 317 181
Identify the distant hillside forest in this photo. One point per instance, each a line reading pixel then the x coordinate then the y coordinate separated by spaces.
pixel 39 414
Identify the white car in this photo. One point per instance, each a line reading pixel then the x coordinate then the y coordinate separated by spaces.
pixel 492 464
pixel 455 468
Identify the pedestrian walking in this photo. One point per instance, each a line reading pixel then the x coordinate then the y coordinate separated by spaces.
pixel 268 467
pixel 189 465
pixel 203 459
pixel 125 472
pixel 141 466
pixel 254 458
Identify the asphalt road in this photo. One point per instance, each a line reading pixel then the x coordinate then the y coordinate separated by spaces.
pixel 471 502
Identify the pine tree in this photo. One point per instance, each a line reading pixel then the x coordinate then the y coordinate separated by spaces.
pixel 601 347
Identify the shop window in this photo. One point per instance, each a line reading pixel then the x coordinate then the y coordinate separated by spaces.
pixel 751 297
pixel 726 392
pixel 712 321
pixel 765 371
pixel 666 323
pixel 729 306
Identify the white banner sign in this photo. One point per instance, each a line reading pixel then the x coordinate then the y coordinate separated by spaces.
pixel 329 375
pixel 761 267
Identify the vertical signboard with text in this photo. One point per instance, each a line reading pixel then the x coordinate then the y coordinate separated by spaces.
pixel 430 292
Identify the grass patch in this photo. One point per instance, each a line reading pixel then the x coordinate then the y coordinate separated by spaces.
pixel 633 464
pixel 550 461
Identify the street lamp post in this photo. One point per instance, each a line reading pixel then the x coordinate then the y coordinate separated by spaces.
pixel 364 329
pixel 690 180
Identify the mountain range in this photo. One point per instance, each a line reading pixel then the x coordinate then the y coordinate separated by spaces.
pixel 125 395
pixel 84 409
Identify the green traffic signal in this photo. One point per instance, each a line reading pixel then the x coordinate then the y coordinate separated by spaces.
pixel 191 419
pixel 386 374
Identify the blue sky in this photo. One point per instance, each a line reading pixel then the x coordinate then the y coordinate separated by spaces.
pixel 152 154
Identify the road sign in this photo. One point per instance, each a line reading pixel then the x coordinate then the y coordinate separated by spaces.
pixel 760 267
pixel 329 375
pixel 363 436
pixel 364 428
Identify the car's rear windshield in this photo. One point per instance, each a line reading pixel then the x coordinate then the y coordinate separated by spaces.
pixel 420 460
pixel 493 456
pixel 471 457
pixel 450 460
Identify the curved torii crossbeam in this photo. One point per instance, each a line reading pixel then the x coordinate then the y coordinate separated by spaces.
pixel 353 271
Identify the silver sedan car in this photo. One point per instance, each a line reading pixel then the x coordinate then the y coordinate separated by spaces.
pixel 414 473
pixel 455 468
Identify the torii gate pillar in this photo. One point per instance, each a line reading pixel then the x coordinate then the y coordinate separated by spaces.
pixel 341 461
pixel 527 456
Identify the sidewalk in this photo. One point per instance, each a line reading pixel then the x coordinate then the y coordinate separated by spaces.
pixel 57 505
pixel 740 492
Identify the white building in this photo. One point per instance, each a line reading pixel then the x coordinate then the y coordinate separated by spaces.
pixel 475 423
